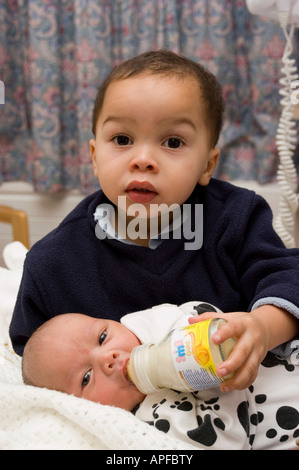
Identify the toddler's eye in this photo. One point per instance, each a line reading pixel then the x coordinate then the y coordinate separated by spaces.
pixel 173 142
pixel 122 140
pixel 86 379
pixel 102 337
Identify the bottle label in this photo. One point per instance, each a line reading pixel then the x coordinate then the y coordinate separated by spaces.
pixel 192 357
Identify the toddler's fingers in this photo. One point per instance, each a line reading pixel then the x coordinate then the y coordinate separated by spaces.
pixel 241 380
pixel 205 316
pixel 226 331
pixel 244 372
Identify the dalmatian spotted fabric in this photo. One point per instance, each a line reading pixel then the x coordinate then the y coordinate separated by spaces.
pixel 264 416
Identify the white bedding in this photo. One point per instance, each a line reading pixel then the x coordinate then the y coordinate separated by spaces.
pixel 34 418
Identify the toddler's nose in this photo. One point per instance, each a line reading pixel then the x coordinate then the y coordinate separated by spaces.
pixel 144 161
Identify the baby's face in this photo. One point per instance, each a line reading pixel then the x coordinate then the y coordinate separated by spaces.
pixel 87 357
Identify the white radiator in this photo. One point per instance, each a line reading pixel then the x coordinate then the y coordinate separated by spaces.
pixel 46 211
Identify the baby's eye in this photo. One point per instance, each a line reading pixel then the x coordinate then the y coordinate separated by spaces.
pixel 102 337
pixel 122 140
pixel 173 142
pixel 86 378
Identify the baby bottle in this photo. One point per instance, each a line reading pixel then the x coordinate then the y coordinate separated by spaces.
pixel 186 360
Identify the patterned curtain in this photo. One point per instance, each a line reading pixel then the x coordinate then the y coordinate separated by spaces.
pixel 55 53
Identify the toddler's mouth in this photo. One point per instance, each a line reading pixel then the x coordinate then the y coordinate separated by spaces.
pixel 141 191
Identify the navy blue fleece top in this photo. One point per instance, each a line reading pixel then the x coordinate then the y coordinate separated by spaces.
pixel 242 264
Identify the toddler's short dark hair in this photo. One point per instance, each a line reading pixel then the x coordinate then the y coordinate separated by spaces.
pixel 167 63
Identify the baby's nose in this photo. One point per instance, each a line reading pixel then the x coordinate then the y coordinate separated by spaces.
pixel 109 362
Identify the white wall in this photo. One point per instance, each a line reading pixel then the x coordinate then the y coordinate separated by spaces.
pixel 46 211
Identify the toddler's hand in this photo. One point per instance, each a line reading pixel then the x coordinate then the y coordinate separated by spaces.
pixel 251 347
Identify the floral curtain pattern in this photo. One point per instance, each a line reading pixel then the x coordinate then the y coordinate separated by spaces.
pixel 55 53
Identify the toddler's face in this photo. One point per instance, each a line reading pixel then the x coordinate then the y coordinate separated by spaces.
pixel 152 144
pixel 87 357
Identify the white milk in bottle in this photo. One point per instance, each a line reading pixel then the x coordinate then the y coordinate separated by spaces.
pixel 186 360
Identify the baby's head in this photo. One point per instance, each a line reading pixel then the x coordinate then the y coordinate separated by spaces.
pixel 82 356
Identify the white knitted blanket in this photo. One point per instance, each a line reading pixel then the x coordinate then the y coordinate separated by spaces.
pixel 34 418
pixel 39 419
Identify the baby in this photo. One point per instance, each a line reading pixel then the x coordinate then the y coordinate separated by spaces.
pixel 83 356
pixel 87 357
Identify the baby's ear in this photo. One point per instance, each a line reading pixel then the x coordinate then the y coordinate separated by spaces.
pixel 210 167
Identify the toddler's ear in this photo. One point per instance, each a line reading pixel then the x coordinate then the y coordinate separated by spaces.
pixel 210 167
pixel 92 146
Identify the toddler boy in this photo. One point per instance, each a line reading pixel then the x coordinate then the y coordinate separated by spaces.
pixel 156 123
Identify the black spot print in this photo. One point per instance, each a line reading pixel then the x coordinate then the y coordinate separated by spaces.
pixel 271 433
pixel 212 401
pixel 287 417
pixel 183 405
pixel 156 406
pixel 162 425
pixel 204 433
pixel 271 360
pixel 259 399
pixel 134 411
pixel 256 418
pixel 203 307
pixel 207 405
pixel 219 424
pixel 243 416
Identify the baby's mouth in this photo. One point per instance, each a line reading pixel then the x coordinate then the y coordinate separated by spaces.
pixel 126 372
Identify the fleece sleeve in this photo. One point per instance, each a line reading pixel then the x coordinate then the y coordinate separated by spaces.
pixel 268 272
pixel 29 311
pixel 265 263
